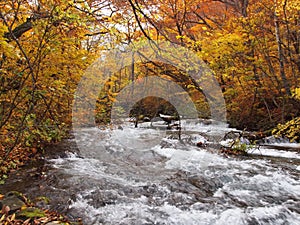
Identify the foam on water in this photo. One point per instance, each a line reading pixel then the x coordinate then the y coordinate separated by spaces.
pixel 188 160
pixel 241 191
pixel 90 169
pixel 287 144
pixel 274 152
pixel 139 212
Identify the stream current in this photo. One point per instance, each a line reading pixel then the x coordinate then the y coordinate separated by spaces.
pixel 141 176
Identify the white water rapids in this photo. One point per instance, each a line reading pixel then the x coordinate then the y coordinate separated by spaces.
pixel 142 176
pixel 125 177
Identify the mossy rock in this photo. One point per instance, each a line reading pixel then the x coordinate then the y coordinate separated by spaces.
pixel 31 212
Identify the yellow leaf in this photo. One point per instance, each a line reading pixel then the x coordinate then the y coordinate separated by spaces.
pixel 13 217
pixel 180 37
pixel 2 218
pixel 26 222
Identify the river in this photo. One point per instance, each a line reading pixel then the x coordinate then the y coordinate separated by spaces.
pixel 145 176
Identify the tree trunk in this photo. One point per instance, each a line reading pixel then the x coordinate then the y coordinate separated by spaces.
pixel 281 56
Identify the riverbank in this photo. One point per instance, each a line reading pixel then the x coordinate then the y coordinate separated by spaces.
pixel 28 165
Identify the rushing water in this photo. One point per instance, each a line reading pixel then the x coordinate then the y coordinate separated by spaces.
pixel 137 176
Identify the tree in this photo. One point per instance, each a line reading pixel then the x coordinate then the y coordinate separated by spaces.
pixel 237 39
pixel 44 53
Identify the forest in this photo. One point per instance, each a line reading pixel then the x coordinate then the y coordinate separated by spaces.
pixel 252 47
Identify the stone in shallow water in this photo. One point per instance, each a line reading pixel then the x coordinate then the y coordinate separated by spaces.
pixel 13 201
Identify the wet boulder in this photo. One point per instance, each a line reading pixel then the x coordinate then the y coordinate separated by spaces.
pixel 12 202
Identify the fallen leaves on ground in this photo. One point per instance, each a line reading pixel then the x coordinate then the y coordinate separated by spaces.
pixel 42 217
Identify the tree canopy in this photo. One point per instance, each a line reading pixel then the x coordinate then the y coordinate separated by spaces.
pixel 46 46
